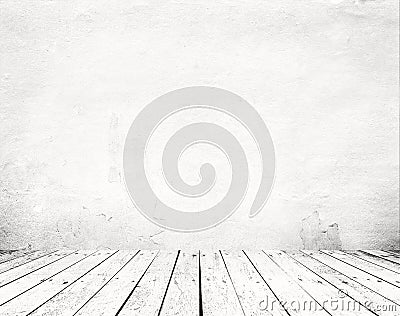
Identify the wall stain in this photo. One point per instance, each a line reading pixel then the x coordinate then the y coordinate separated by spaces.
pixel 315 236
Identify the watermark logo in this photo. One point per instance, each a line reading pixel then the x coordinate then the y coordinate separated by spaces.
pixel 172 103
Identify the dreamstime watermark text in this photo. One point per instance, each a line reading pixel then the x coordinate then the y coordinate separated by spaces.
pixel 334 304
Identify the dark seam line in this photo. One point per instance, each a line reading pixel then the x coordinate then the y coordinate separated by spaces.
pixel 136 285
pixel 350 278
pixel 23 255
pixel 69 284
pixel 20 265
pixel 381 257
pixel 169 281
pixel 265 281
pixel 341 291
pixel 360 269
pixel 390 252
pixel 43 280
pixel 290 277
pixel 200 291
pixel 229 275
pixel 95 293
pixel 20 277
pixel 377 264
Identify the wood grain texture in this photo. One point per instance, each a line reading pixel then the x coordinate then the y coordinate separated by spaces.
pixel 71 299
pixel 6 256
pixel 250 287
pixel 217 283
pixel 367 296
pixel 385 289
pixel 289 293
pixel 323 292
pixel 379 261
pixel 31 267
pixel 218 294
pixel 30 300
pixel 389 256
pixel 372 269
pixel 11 264
pixel 31 280
pixel 395 252
pixel 112 296
pixel 183 294
pixel 148 296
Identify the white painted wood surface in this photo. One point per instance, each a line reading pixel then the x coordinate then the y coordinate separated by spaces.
pixel 379 261
pixel 148 296
pixel 252 291
pixel 289 293
pixel 323 292
pixel 47 289
pixel 359 275
pixel 395 252
pixel 71 299
pixel 371 299
pixel 182 297
pixel 19 261
pixel 389 256
pixel 8 256
pixel 217 283
pixel 373 269
pixel 31 280
pixel 31 267
pixel 111 297
pixel 218 293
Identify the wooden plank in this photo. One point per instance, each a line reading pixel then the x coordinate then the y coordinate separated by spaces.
pixel 294 299
pixel 146 299
pixel 23 260
pixel 217 291
pixel 250 287
pixel 31 267
pixel 109 299
pixel 385 289
pixel 384 255
pixel 382 273
pixel 64 283
pixel 381 262
pixel 21 285
pixel 370 298
pixel 394 255
pixel 70 300
pixel 334 301
pixel 30 300
pixel 182 297
pixel 6 256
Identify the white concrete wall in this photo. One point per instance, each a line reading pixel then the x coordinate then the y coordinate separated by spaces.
pixel 73 75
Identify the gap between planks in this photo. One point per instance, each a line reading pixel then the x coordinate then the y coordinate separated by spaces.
pixel 203 283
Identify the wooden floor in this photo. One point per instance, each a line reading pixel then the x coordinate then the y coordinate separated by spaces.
pixel 141 282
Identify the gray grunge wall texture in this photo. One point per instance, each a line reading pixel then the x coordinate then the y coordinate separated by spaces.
pixel 323 75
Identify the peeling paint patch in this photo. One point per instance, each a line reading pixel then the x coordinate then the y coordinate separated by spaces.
pixel 315 236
